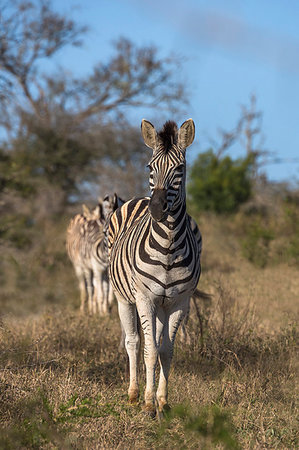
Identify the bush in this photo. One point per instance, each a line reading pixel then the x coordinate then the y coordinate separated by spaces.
pixel 291 211
pixel 220 184
pixel 269 232
pixel 256 244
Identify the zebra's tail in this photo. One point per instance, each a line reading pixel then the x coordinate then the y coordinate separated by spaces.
pixel 199 295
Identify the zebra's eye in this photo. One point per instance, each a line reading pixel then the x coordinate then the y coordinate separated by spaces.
pixel 180 168
pixel 149 167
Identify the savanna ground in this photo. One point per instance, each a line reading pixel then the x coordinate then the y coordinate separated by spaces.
pixel 63 381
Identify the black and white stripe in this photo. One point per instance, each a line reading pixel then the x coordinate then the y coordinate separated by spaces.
pixel 87 249
pixel 154 251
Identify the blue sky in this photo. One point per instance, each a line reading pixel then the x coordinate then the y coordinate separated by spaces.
pixel 231 49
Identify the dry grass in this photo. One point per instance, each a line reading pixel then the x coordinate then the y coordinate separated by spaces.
pixel 63 384
pixel 63 381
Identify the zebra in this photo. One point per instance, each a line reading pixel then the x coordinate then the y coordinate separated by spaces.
pixel 87 250
pixel 154 250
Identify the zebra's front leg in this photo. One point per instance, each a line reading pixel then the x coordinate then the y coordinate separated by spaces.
pixel 105 292
pixel 110 295
pixel 147 315
pixel 98 293
pixel 128 317
pixel 173 319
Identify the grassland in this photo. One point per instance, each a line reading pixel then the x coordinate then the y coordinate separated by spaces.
pixel 63 381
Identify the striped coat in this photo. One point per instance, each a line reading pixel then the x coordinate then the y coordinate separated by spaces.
pixel 154 252
pixel 146 254
pixel 87 249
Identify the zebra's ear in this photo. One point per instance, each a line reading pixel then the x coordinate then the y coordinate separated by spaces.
pixel 98 213
pixel 86 211
pixel 186 134
pixel 118 202
pixel 149 134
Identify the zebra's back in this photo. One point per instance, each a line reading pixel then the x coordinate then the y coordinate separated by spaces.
pixel 85 242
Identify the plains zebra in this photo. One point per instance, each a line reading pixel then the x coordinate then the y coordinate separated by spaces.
pixel 87 250
pixel 154 250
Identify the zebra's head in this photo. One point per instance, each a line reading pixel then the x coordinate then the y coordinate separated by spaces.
pixel 103 210
pixel 167 165
pixel 110 204
pixel 95 214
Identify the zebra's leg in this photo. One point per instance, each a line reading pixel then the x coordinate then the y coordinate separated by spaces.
pixel 160 319
pixel 105 292
pixel 147 316
pixel 121 345
pixel 98 292
pixel 83 289
pixel 110 295
pixel 89 287
pixel 128 317
pixel 174 316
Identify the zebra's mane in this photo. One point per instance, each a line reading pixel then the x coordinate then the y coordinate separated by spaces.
pixel 168 135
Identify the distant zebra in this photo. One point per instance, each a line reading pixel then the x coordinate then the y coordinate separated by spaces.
pixel 87 250
pixel 154 251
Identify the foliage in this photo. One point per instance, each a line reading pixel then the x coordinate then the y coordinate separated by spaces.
pixel 13 176
pixel 267 227
pixel 64 137
pixel 210 426
pixel 52 158
pixel 15 228
pixel 37 427
pixel 220 184
pixel 256 244
pixel 291 211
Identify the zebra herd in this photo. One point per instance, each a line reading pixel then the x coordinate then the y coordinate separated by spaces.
pixel 149 250
pixel 87 249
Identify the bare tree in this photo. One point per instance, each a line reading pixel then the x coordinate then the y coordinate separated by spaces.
pixel 248 132
pixel 31 31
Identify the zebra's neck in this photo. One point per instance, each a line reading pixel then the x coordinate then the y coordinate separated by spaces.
pixel 175 217
pixel 173 229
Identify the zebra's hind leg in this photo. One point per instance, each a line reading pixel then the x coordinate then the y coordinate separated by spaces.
pixel 174 316
pixel 121 345
pixel 128 317
pixel 160 319
pixel 98 291
pixel 90 289
pixel 105 293
pixel 110 295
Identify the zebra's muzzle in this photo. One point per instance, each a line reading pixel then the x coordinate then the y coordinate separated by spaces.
pixel 158 205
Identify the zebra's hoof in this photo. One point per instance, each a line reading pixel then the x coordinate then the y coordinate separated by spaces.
pixel 133 397
pixel 150 411
pixel 163 405
pixel 165 409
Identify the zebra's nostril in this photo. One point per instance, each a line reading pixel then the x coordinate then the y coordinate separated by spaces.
pixel 165 207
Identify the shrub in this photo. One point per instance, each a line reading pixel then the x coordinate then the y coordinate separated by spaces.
pixel 256 244
pixel 220 184
pixel 291 212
